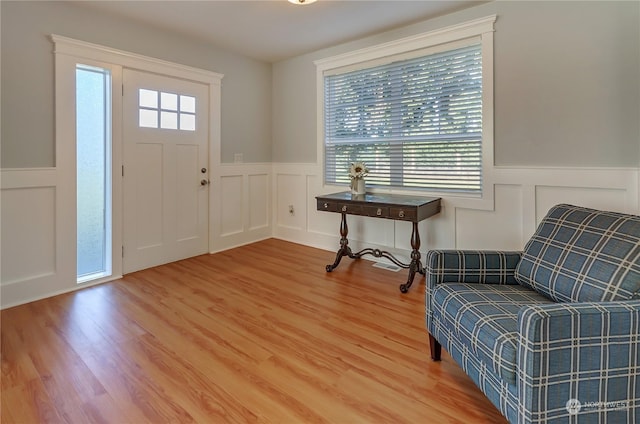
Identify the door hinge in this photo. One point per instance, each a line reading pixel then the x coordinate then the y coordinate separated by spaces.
pixel 123 251
pixel 123 170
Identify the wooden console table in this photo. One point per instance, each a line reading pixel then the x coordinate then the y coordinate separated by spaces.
pixel 390 206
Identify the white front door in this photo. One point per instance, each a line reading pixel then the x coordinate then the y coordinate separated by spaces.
pixel 165 172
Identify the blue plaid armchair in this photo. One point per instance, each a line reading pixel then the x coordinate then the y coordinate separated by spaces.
pixel 550 334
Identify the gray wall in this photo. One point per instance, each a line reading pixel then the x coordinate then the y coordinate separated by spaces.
pixel 567 84
pixel 28 78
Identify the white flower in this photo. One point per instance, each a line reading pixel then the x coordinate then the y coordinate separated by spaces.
pixel 358 170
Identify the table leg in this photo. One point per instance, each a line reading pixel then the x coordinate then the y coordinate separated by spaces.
pixel 344 250
pixel 416 264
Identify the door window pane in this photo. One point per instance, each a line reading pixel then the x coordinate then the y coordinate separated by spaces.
pixel 187 122
pixel 188 104
pixel 148 118
pixel 148 98
pixel 169 120
pixel 169 101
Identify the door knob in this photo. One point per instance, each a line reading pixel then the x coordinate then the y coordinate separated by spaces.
pixel 203 170
pixel 204 182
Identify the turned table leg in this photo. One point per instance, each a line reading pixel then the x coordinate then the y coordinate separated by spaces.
pixel 344 249
pixel 416 264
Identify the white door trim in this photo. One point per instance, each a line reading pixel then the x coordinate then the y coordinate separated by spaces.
pixel 82 49
pixel 68 53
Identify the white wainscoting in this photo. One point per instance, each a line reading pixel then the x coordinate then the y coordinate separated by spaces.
pixel 251 202
pixel 240 210
pixel 35 231
pixel 507 217
pixel 38 228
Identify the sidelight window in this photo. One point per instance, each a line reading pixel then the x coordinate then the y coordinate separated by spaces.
pixel 93 165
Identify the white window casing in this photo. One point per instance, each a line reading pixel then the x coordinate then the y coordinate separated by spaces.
pixel 418 111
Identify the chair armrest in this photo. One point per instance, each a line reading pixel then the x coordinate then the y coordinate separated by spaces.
pixel 579 359
pixel 471 266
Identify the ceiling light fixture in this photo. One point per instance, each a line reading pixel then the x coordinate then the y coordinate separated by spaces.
pixel 302 2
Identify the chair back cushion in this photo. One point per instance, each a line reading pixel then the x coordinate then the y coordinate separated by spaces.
pixel 583 255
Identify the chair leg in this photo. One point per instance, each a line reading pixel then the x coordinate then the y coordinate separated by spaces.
pixel 435 348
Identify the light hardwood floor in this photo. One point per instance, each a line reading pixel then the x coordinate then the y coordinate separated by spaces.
pixel 260 333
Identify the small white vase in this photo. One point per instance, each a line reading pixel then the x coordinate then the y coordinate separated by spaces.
pixel 358 186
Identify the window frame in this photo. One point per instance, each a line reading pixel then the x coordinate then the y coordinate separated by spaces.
pixel 108 168
pixel 479 31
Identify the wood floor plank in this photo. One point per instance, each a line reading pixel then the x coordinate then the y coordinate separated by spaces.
pixel 260 333
pixel 28 403
pixel 17 366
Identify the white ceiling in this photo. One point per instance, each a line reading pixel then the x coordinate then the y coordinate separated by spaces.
pixel 273 30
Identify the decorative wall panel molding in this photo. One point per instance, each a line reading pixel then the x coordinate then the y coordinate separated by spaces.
pixel 233 205
pixel 241 211
pixel 35 231
pixel 519 198
pixel 28 221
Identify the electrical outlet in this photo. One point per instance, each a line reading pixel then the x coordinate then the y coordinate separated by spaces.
pixel 237 158
pixel 292 211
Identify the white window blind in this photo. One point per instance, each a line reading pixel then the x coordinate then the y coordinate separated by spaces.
pixel 416 123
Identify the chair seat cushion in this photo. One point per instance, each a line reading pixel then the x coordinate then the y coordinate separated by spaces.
pixel 484 317
pixel 583 255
